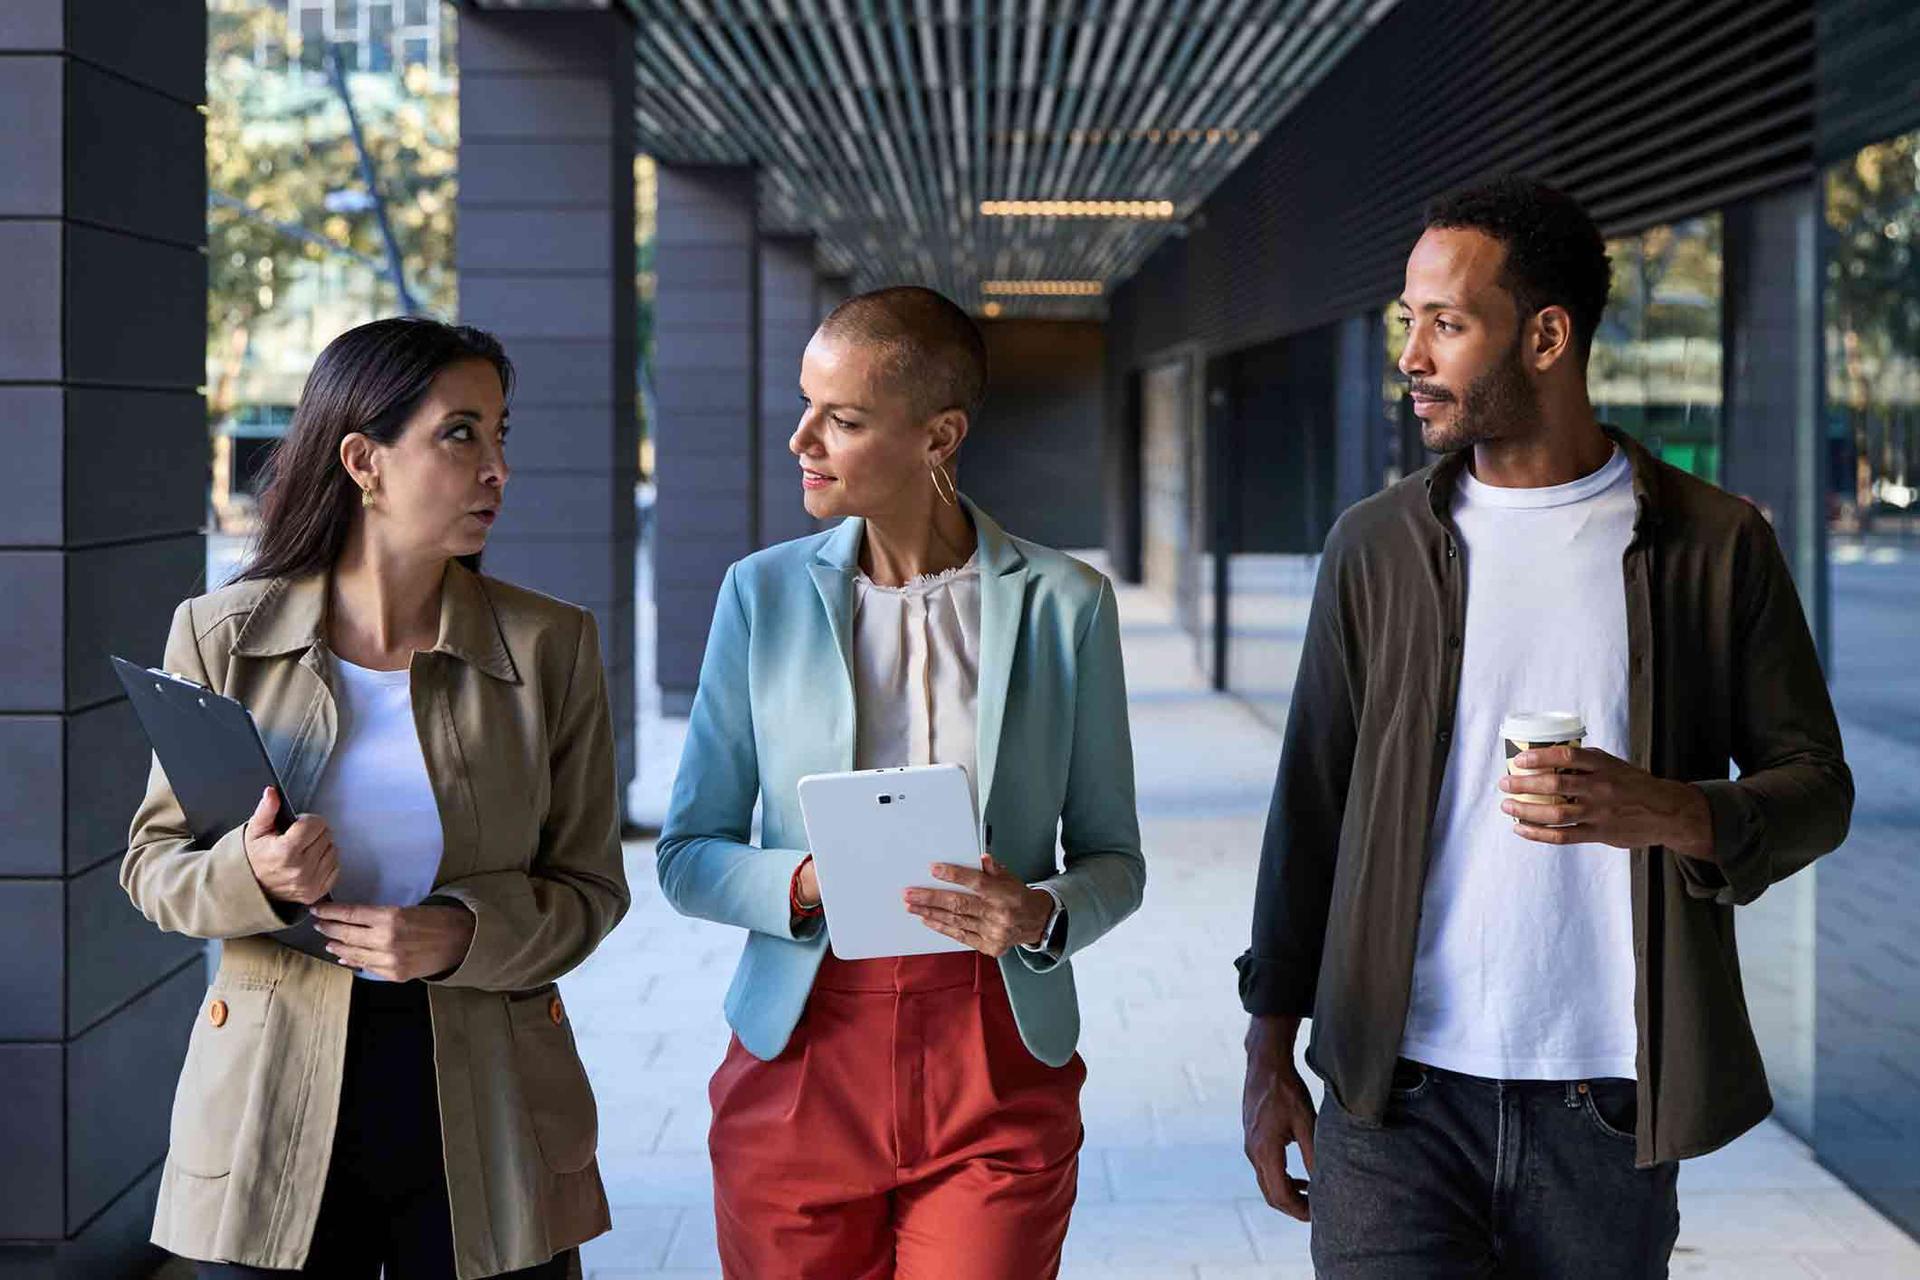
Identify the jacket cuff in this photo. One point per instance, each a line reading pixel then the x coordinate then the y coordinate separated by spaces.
pixel 1739 872
pixel 803 927
pixel 472 971
pixel 1273 987
pixel 233 885
pixel 1053 947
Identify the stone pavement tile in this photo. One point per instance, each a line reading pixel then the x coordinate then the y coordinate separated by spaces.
pixel 693 1244
pixel 1095 1187
pixel 1208 1173
pixel 620 1273
pixel 1860 1225
pixel 1767 1158
pixel 1183 1126
pixel 1745 1266
pixel 1107 1271
pixel 1115 1125
pixel 638 1240
pixel 629 1130
pixel 1169 1235
pixel 1762 1222
pixel 1856 1266
pixel 665 1178
pixel 1276 1238
pixel 686 1128
pixel 1261 1271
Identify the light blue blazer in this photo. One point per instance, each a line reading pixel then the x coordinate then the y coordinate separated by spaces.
pixel 776 703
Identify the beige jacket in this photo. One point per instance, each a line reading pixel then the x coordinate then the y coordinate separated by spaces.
pixel 511 705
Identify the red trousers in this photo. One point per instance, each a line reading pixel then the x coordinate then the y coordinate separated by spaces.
pixel 905 1132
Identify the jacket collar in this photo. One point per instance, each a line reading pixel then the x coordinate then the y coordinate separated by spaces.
pixel 1003 588
pixel 999 555
pixel 292 617
pixel 1443 475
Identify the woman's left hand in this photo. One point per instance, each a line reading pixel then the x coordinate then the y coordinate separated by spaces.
pixel 396 943
pixel 1000 913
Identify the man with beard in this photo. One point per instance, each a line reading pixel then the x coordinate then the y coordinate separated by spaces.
pixel 1525 997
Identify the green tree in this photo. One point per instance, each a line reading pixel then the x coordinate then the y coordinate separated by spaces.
pixel 1873 300
pixel 279 145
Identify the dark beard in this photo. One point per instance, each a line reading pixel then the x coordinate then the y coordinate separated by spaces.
pixel 1498 405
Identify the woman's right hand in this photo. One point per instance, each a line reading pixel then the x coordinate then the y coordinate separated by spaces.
pixel 297 866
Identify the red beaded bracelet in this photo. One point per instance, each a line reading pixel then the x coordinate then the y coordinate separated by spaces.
pixel 801 909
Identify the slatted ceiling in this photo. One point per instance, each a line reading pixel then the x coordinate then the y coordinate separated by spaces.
pixel 1647 110
pixel 1869 87
pixel 881 125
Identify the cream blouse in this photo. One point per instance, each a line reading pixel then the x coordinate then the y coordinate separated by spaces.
pixel 916 671
pixel 916 681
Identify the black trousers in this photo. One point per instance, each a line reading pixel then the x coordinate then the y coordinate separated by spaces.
pixel 384 1210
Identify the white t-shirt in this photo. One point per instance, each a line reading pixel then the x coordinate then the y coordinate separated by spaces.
pixel 1525 963
pixel 375 794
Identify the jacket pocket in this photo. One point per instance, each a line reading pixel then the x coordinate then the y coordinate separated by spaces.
pixel 216 1091
pixel 553 1083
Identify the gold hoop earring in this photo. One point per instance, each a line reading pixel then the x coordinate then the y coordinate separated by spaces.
pixel 949 494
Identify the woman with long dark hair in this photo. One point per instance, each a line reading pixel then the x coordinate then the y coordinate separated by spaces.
pixel 415 1103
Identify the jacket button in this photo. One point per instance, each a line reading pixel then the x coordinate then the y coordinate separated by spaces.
pixel 1446 735
pixel 555 1011
pixel 217 1013
pixel 1453 642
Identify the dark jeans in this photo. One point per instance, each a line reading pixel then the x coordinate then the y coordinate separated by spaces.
pixel 1490 1178
pixel 385 1202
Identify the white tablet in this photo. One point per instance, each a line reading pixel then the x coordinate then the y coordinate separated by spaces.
pixel 874 834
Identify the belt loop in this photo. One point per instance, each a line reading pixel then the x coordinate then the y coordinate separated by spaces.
pixel 1572 1092
pixel 979 972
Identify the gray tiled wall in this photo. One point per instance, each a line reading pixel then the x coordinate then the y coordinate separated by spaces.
pixel 102 316
pixel 546 259
pixel 707 374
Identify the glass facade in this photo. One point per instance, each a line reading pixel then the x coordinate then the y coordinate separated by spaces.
pixel 1655 369
pixel 295 249
pixel 1867 974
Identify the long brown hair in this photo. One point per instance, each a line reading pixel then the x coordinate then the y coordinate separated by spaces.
pixel 369 379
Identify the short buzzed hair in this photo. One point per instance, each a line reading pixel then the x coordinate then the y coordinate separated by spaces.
pixel 933 350
pixel 1555 253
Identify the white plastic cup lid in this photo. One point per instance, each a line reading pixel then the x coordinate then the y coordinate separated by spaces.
pixel 1543 726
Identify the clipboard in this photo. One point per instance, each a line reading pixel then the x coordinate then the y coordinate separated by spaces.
pixel 211 751
pixel 873 833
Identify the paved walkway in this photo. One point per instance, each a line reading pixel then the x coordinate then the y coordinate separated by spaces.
pixel 1164 1191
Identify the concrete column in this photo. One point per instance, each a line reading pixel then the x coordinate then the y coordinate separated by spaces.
pixel 102 349
pixel 1774 434
pixel 1360 439
pixel 706 370
pixel 830 289
pixel 546 258
pixel 787 319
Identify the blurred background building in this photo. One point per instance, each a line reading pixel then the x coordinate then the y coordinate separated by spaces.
pixel 1181 226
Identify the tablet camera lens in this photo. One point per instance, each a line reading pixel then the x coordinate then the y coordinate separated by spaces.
pixel 886 799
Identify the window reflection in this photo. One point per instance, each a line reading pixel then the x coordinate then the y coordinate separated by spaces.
pixel 1867 972
pixel 1655 370
pixel 295 252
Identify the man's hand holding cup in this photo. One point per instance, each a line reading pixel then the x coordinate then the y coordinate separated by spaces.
pixel 1559 792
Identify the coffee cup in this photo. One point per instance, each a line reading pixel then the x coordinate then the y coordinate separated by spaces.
pixel 1535 731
